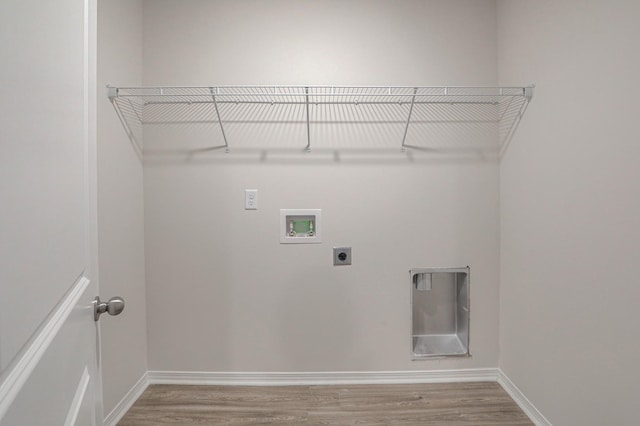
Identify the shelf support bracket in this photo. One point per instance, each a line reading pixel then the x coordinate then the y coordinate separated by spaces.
pixel 215 104
pixel 112 92
pixel 406 127
pixel 528 95
pixel 306 91
pixel 528 92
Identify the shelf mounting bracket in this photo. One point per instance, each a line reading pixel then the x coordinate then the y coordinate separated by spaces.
pixel 406 127
pixel 112 92
pixel 306 91
pixel 215 104
pixel 528 92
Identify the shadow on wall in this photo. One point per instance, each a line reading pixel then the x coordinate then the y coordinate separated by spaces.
pixel 281 142
pixel 318 156
pixel 202 142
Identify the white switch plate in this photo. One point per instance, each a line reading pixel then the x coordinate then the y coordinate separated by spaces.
pixel 251 199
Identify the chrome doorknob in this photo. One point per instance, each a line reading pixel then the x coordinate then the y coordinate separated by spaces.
pixel 114 306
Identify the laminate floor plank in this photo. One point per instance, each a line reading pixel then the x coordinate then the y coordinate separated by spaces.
pixel 477 403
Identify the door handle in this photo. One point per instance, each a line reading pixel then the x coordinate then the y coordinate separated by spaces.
pixel 114 306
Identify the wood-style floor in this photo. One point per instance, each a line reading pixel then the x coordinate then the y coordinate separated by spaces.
pixel 407 404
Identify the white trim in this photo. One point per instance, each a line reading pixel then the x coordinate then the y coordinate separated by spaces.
pixel 78 398
pixel 321 378
pixel 523 402
pixel 90 178
pixel 325 378
pixel 21 367
pixel 129 399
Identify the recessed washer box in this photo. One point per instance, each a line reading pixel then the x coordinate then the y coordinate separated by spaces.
pixel 300 226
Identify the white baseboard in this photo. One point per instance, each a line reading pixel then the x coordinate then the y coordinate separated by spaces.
pixel 322 378
pixel 325 378
pixel 129 399
pixel 523 402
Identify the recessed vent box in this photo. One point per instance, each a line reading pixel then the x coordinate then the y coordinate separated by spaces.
pixel 439 312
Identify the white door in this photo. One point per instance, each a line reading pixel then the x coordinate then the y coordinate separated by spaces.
pixel 49 342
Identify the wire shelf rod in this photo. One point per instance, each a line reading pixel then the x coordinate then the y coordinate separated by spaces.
pixel 308 126
pixel 319 95
pixel 271 87
pixel 324 122
pixel 407 102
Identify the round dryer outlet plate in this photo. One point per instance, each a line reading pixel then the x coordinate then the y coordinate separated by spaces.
pixel 341 256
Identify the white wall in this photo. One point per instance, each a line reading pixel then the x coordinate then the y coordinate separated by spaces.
pixel 120 203
pixel 359 42
pixel 223 294
pixel 570 210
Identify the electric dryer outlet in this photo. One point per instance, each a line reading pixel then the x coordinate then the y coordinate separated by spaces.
pixel 341 256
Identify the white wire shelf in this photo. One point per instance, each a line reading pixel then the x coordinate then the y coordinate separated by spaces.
pixel 327 116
